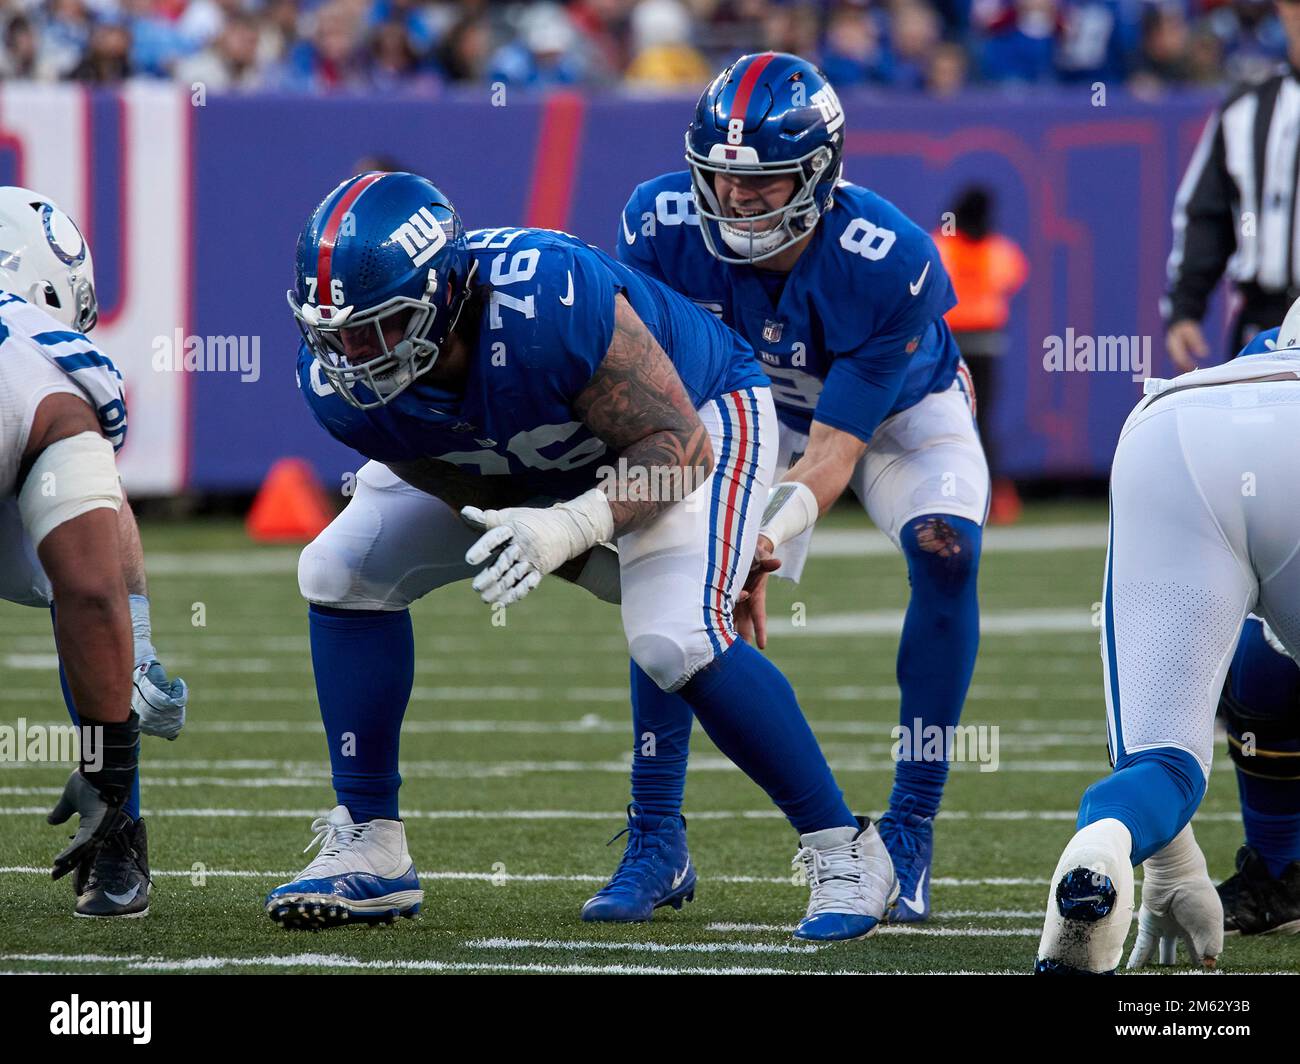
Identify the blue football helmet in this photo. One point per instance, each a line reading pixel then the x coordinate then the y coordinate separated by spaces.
pixel 381 248
pixel 767 114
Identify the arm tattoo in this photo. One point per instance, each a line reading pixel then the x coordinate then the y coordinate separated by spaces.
pixel 638 405
pixel 457 488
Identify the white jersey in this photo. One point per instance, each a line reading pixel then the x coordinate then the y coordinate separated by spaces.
pixel 41 356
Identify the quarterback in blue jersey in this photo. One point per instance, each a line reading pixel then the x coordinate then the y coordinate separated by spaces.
pixel 842 297
pixel 526 401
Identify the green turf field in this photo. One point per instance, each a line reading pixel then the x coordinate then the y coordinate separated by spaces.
pixel 515 754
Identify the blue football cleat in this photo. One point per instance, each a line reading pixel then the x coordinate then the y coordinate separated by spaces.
pixel 656 870
pixel 910 839
pixel 851 881
pixel 363 874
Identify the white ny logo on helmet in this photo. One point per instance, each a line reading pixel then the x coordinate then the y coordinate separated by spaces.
pixel 421 236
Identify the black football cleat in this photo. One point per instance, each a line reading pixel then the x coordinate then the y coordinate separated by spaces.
pixel 115 883
pixel 1256 903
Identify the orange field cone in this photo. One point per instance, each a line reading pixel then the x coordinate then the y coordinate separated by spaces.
pixel 291 505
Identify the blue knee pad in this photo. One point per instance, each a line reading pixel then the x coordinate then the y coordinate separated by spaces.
pixel 1152 792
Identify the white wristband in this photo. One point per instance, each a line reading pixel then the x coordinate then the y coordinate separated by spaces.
pixel 1180 859
pixel 594 520
pixel 791 510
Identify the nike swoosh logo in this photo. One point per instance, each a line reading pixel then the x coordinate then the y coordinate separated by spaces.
pixel 915 286
pixel 680 877
pixel 628 235
pixel 567 299
pixel 123 899
pixel 916 903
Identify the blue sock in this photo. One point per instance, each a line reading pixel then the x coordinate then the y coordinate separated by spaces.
pixel 936 654
pixel 132 806
pixel 364 662
pixel 661 740
pixel 748 708
pixel 1266 685
pixel 1153 793
pixel 1272 819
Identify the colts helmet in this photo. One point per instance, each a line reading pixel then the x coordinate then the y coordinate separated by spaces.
pixel 766 114
pixel 381 248
pixel 45 259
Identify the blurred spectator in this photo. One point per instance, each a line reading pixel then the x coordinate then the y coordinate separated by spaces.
pixel 661 40
pixel 231 62
pixel 548 51
pixel 465 49
pixel 854 53
pixel 18 60
pixel 903 45
pixel 156 41
pixel 1165 56
pixel 107 59
pixel 394 61
pixel 914 33
pixel 63 37
pixel 1021 47
pixel 331 58
pixel 948 70
pixel 792 28
pixel 1097 39
pixel 606 25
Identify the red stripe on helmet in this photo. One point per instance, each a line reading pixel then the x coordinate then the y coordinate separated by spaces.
pixel 330 233
pixel 747 82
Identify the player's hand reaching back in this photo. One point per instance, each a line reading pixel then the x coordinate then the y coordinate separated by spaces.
pixel 750 613
pixel 1186 344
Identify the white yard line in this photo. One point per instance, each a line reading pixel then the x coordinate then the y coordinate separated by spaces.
pixel 501 878
pixel 612 816
pixel 635 947
pixel 827 543
pixel 341 961
pixel 450 770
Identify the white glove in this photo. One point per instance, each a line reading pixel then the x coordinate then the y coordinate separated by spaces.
pixel 1178 902
pixel 158 701
pixel 533 541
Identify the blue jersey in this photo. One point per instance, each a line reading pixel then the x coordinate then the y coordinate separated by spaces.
pixel 544 329
pixel 856 333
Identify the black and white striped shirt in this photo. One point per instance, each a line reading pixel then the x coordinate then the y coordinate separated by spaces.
pixel 1235 210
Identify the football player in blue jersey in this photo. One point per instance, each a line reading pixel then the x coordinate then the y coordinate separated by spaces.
pixel 842 297
pixel 525 400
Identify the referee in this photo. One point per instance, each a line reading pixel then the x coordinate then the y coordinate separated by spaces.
pixel 1236 211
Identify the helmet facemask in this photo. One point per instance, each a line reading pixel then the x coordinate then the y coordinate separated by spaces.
pixel 791 223
pixel 393 369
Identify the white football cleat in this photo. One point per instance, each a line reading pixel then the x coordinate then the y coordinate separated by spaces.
pixel 1089 903
pixel 362 874
pixel 852 880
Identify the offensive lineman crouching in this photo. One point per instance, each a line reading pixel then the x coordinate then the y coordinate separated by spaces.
pixel 554 363
pixel 69 542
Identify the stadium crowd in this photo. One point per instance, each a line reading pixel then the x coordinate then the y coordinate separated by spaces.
pixel 935 46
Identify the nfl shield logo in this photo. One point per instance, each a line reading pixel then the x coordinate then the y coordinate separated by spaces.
pixel 772 332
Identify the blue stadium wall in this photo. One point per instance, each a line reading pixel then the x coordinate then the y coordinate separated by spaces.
pixel 193 213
